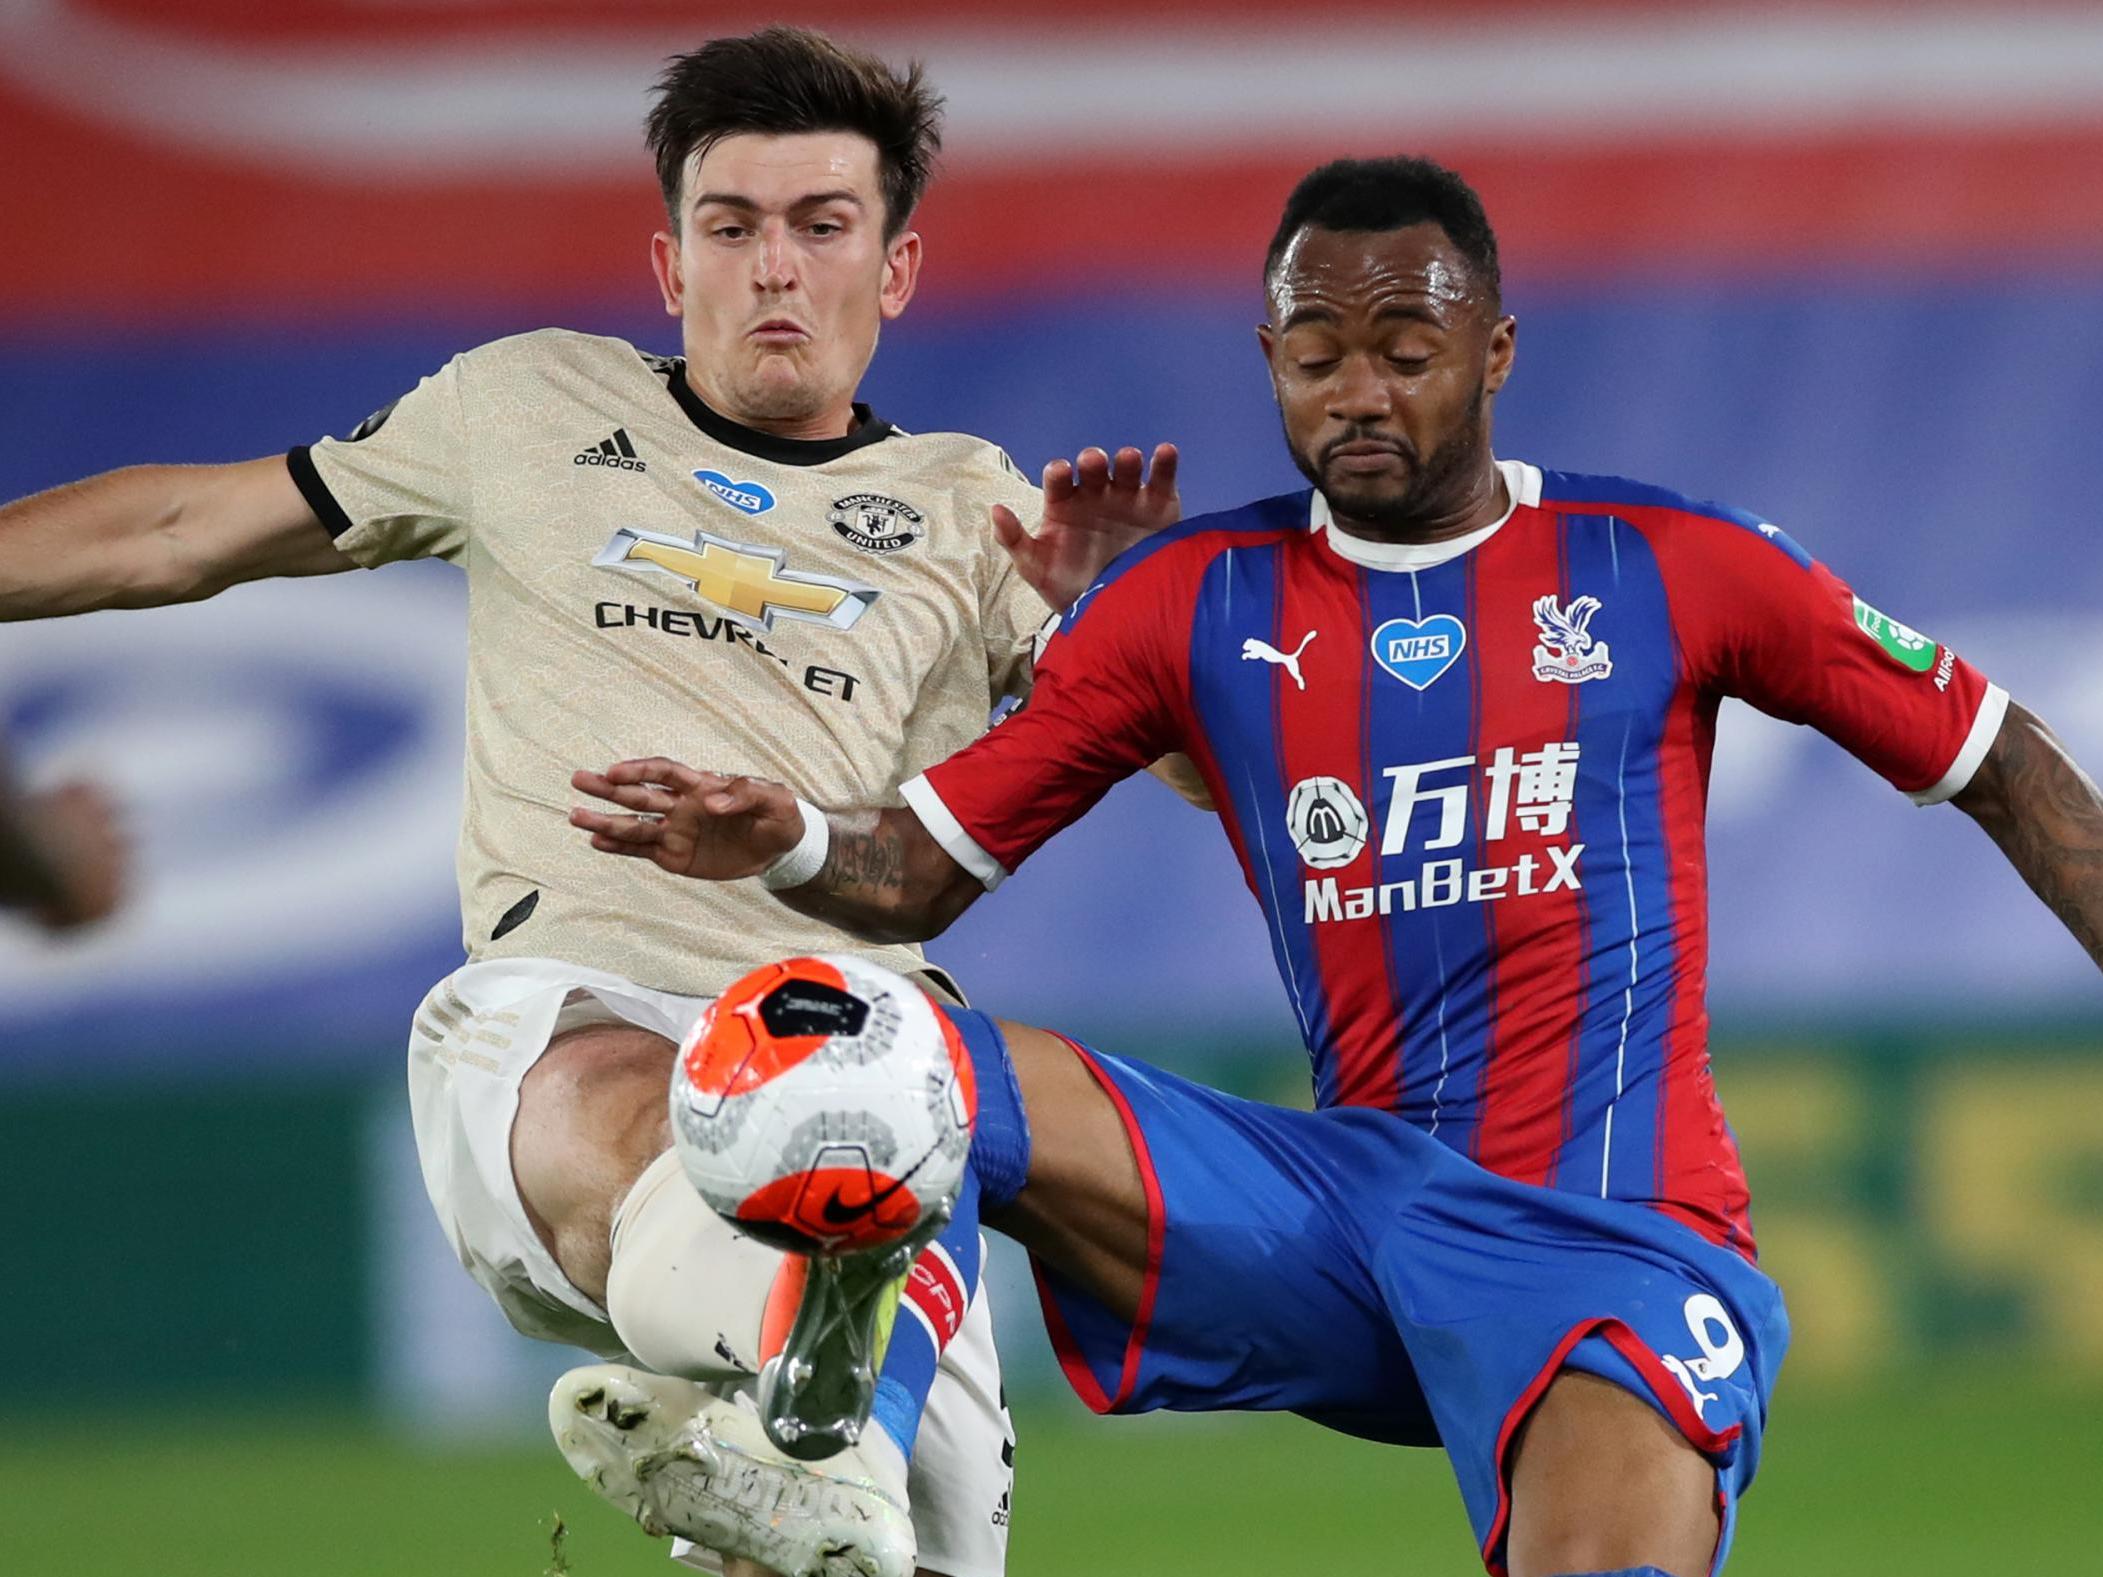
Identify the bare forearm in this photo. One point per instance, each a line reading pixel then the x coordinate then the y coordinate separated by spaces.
pixel 885 879
pixel 880 874
pixel 157 534
pixel 84 546
pixel 2046 814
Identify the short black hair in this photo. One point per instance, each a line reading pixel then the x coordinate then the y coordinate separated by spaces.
pixel 781 81
pixel 1390 194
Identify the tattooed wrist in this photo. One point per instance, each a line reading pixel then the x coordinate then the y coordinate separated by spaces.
pixel 884 879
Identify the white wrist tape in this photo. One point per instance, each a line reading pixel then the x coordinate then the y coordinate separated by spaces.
pixel 801 863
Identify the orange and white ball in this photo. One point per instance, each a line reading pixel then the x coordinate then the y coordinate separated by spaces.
pixel 823 1105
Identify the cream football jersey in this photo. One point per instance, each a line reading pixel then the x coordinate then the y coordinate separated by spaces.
pixel 646 577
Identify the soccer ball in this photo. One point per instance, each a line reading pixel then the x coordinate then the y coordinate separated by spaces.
pixel 823 1105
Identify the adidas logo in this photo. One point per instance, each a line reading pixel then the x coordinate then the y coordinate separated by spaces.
pixel 616 451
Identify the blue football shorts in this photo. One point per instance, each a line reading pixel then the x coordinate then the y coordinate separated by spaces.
pixel 1347 1266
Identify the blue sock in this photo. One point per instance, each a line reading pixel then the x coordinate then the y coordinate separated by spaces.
pixel 1000 1143
pixel 938 1290
pixel 1624 1571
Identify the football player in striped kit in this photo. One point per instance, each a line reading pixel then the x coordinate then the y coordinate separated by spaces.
pixel 1457 713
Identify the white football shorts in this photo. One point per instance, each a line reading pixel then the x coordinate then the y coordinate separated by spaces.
pixel 470 1045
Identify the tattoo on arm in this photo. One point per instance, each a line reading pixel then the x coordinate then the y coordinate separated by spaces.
pixel 885 878
pixel 863 865
pixel 2046 814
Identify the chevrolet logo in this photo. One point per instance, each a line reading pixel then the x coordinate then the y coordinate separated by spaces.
pixel 748 584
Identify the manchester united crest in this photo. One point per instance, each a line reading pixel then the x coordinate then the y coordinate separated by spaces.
pixel 877 524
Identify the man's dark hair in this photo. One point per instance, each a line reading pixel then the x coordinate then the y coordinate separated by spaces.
pixel 781 81
pixel 1389 194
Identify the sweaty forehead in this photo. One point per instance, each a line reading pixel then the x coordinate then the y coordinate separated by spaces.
pixel 1360 272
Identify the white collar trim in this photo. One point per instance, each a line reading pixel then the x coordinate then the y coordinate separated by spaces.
pixel 1521 481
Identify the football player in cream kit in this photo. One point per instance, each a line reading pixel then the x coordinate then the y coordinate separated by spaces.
pixel 719 555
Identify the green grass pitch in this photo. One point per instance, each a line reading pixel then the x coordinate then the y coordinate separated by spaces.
pixel 1923 1475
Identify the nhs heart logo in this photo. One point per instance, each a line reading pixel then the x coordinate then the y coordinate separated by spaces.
pixel 749 497
pixel 1418 651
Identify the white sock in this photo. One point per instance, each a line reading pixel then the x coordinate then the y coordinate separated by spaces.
pixel 886 1462
pixel 685 1292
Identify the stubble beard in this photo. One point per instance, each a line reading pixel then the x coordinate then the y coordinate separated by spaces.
pixel 1434 487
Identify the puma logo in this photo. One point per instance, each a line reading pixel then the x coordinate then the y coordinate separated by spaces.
pixel 1253 650
pixel 1685 1375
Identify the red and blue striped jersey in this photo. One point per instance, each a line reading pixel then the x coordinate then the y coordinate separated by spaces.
pixel 1466 783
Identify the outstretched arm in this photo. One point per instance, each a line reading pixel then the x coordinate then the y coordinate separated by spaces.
pixel 157 534
pixel 883 876
pixel 2047 816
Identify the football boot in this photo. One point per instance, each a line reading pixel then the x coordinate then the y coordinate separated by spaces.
pixel 827 1325
pixel 680 1459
